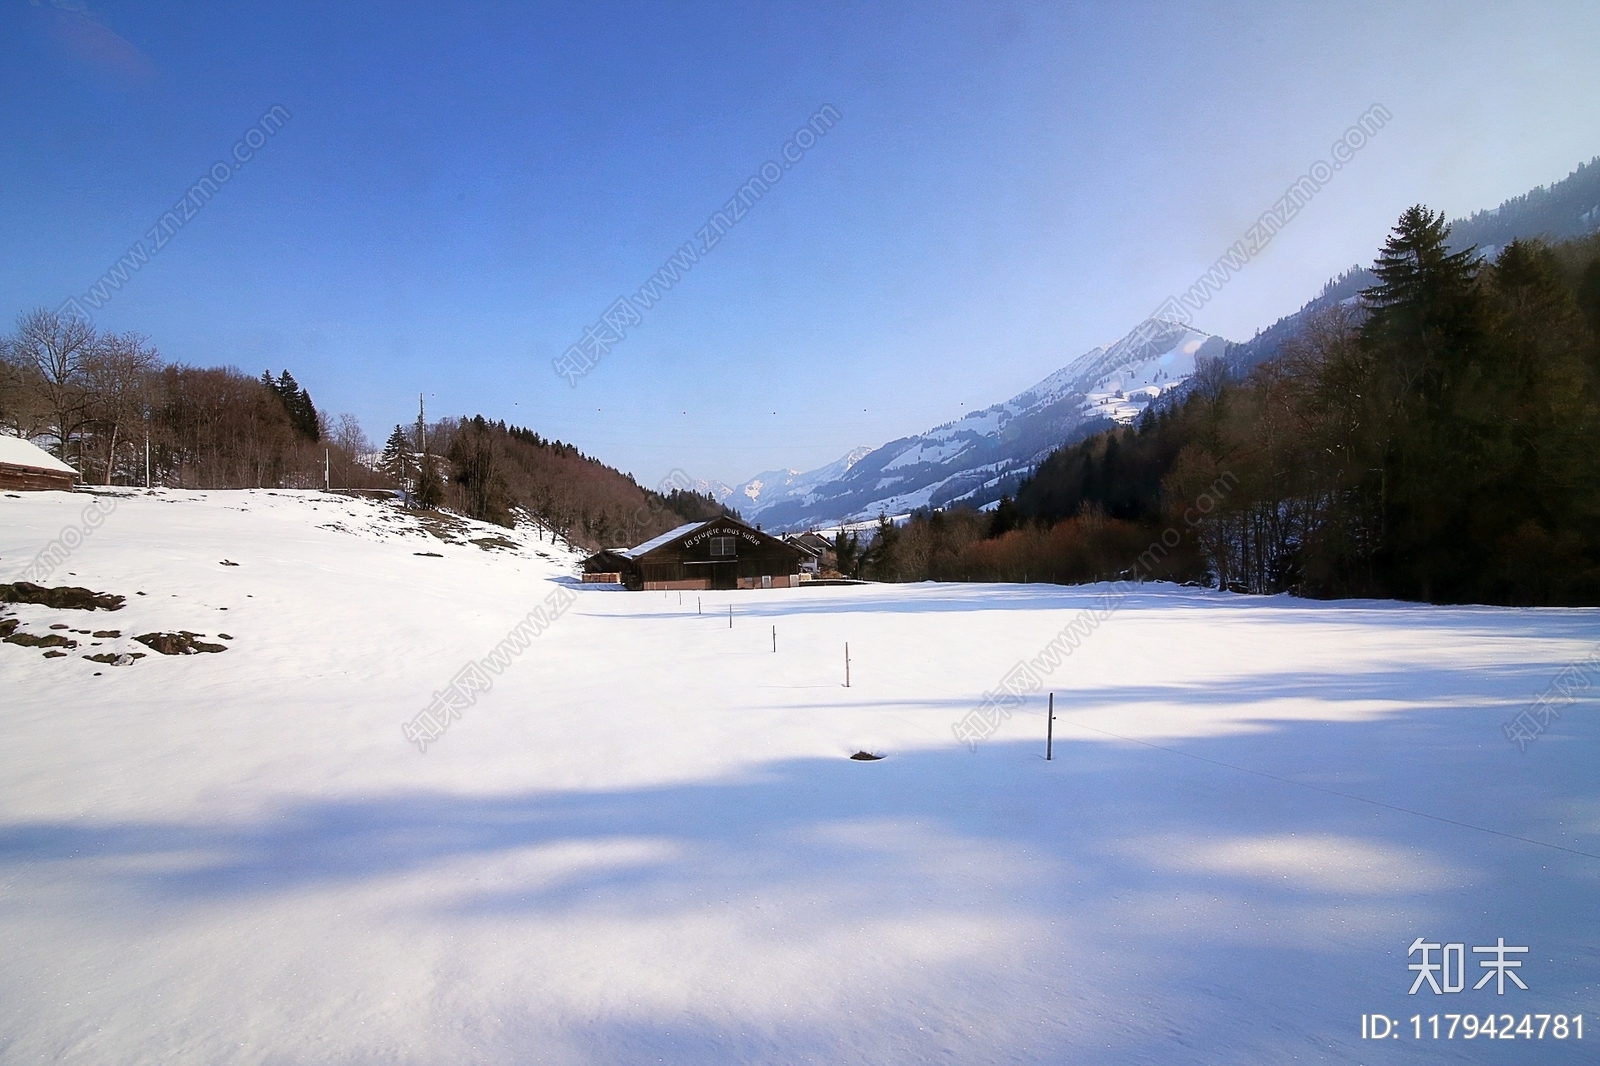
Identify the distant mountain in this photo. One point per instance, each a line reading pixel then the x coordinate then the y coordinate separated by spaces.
pixel 976 459
pixel 1557 212
pixel 981 457
pixel 772 487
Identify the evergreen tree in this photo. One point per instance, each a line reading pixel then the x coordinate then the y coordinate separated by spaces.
pixel 430 487
pixel 1589 295
pixel 397 460
pixel 296 403
pixel 881 557
pixel 847 553
pixel 475 458
pixel 1426 328
pixel 1538 496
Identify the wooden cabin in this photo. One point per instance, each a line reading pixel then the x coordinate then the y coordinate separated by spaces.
pixel 723 553
pixel 26 467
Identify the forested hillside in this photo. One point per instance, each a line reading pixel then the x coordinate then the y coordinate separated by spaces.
pixel 496 468
pixel 1438 440
pixel 95 398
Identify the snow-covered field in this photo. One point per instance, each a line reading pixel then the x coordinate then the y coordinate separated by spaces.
pixel 646 843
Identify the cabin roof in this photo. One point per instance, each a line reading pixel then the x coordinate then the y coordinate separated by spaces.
pixel 15 451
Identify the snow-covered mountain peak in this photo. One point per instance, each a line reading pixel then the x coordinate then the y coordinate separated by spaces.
pixel 976 457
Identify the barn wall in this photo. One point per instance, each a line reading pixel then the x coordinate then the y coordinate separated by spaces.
pixel 687 563
pixel 29 479
pixel 779 581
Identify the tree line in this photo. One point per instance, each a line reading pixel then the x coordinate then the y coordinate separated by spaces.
pixel 1437 439
pixel 492 471
pixel 95 399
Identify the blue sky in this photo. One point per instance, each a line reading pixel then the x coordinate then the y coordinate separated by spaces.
pixel 461 189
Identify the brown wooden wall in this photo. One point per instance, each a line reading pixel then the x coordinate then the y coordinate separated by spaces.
pixel 687 563
pixel 30 479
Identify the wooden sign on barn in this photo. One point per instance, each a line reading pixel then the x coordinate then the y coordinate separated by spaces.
pixel 723 553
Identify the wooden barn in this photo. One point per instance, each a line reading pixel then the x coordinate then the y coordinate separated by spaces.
pixel 723 553
pixel 26 467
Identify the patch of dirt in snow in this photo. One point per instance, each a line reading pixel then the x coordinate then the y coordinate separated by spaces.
pixel 113 659
pixel 29 640
pixel 66 597
pixel 182 642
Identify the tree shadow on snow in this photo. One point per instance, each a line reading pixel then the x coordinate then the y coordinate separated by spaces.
pixel 1231 898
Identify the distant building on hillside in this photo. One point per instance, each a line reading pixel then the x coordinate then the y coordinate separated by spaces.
pixel 723 553
pixel 817 551
pixel 27 467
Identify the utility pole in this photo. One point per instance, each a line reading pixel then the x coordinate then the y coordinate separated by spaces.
pixel 147 455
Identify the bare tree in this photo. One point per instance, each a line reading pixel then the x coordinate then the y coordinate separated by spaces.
pixel 353 446
pixel 348 435
pixel 57 349
pixel 22 408
pixel 119 373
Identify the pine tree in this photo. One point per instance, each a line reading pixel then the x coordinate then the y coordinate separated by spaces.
pixel 397 460
pixel 1427 331
pixel 296 403
pixel 430 487
pixel 847 553
pixel 1537 501
pixel 476 461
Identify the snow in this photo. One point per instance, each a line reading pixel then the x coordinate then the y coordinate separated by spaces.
pixel 656 542
pixel 18 452
pixel 1123 394
pixel 937 450
pixel 645 842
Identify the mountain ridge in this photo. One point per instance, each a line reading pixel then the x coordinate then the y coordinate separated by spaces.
pixel 980 457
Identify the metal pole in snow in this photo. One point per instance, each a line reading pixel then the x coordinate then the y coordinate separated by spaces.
pixel 1050 728
pixel 730 616
pixel 774 640
pixel 327 482
pixel 147 458
pixel 847 664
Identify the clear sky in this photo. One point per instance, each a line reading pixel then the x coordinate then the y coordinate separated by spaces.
pixel 461 189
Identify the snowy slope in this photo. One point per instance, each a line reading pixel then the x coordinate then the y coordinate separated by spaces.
pixel 980 456
pixel 644 843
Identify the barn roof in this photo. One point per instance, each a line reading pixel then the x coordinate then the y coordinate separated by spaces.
pixel 655 542
pixel 15 451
